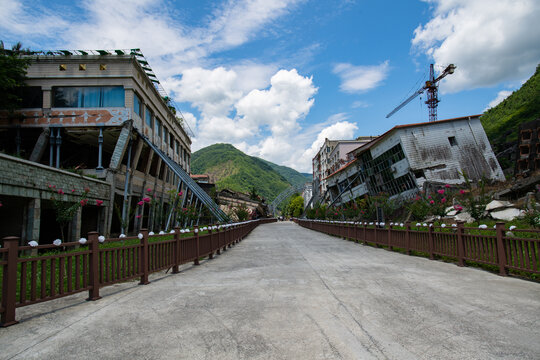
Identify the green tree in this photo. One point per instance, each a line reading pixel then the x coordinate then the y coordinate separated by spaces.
pixel 12 75
pixel 295 206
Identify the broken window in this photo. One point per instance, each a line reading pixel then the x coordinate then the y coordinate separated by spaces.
pixel 452 140
pixel 526 135
pixel 524 150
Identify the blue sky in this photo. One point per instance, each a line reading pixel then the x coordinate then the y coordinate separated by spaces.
pixel 275 78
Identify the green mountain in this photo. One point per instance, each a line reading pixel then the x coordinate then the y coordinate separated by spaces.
pixel 229 168
pixel 292 176
pixel 501 122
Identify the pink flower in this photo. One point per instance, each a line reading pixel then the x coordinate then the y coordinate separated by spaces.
pixel 441 191
pixel 86 189
pixel 447 186
pixel 72 190
pixel 138 216
pixel 61 192
pixel 180 193
pixel 417 198
pixel 140 203
pixel 146 199
pixel 429 197
pixel 458 208
pixel 99 202
pixel 443 200
pixel 462 191
pixel 84 202
pixel 432 202
pixel 148 190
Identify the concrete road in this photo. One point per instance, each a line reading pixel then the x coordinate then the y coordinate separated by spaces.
pixel 289 293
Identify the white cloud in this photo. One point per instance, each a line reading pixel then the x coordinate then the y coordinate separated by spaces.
pixel 19 19
pixel 489 41
pixel 237 22
pixel 261 122
pixel 343 130
pixel 213 92
pixel 501 95
pixel 361 78
pixel 288 100
pixel 359 104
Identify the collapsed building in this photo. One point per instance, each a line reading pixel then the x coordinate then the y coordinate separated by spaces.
pixel 408 157
pixel 100 121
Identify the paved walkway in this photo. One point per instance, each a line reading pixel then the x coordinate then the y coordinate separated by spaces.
pixel 289 293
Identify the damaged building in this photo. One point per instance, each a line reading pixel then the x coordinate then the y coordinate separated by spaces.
pixel 408 157
pixel 96 120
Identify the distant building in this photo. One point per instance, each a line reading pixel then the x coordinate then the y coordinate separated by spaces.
pixel 407 157
pixel 331 156
pixel 228 200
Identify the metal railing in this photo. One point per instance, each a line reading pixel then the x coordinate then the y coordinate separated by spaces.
pixel 506 249
pixel 72 268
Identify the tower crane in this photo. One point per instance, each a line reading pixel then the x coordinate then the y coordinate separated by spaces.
pixel 431 86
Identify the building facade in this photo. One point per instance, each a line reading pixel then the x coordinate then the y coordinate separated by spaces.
pixel 102 115
pixel 408 157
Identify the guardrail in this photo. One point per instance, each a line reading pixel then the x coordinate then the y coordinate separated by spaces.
pixel 73 267
pixel 507 249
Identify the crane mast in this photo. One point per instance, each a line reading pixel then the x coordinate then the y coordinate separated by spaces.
pixel 431 86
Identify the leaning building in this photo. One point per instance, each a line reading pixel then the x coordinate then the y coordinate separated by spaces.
pixel 410 157
pixel 95 122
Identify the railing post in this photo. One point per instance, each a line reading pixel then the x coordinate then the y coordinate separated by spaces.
pixel 430 241
pixel 365 239
pixel 93 292
pixel 176 250
pixel 9 281
pixel 375 236
pixel 144 257
pixel 219 236
pixel 408 237
pixel 211 256
pixel 501 253
pixel 198 251
pixel 460 244
pixel 390 247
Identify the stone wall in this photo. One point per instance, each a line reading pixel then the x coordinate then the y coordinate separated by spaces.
pixel 22 178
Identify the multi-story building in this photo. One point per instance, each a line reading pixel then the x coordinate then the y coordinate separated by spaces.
pixel 331 156
pixel 103 116
pixel 407 157
pixel 341 153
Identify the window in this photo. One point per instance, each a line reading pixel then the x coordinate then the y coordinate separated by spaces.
pixel 165 134
pixel 148 117
pixel 171 140
pixel 177 147
pixel 96 96
pixel 452 140
pixel 158 127
pixel 137 105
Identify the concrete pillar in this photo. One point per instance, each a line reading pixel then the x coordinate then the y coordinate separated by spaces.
pixel 32 221
pixel 47 98
pixel 100 149
pixel 121 146
pixel 40 146
pixel 75 227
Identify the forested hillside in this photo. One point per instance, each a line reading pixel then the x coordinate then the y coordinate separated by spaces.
pixel 502 122
pixel 230 168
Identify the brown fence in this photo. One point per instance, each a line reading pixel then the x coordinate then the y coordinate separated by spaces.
pixel 516 250
pixel 74 268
